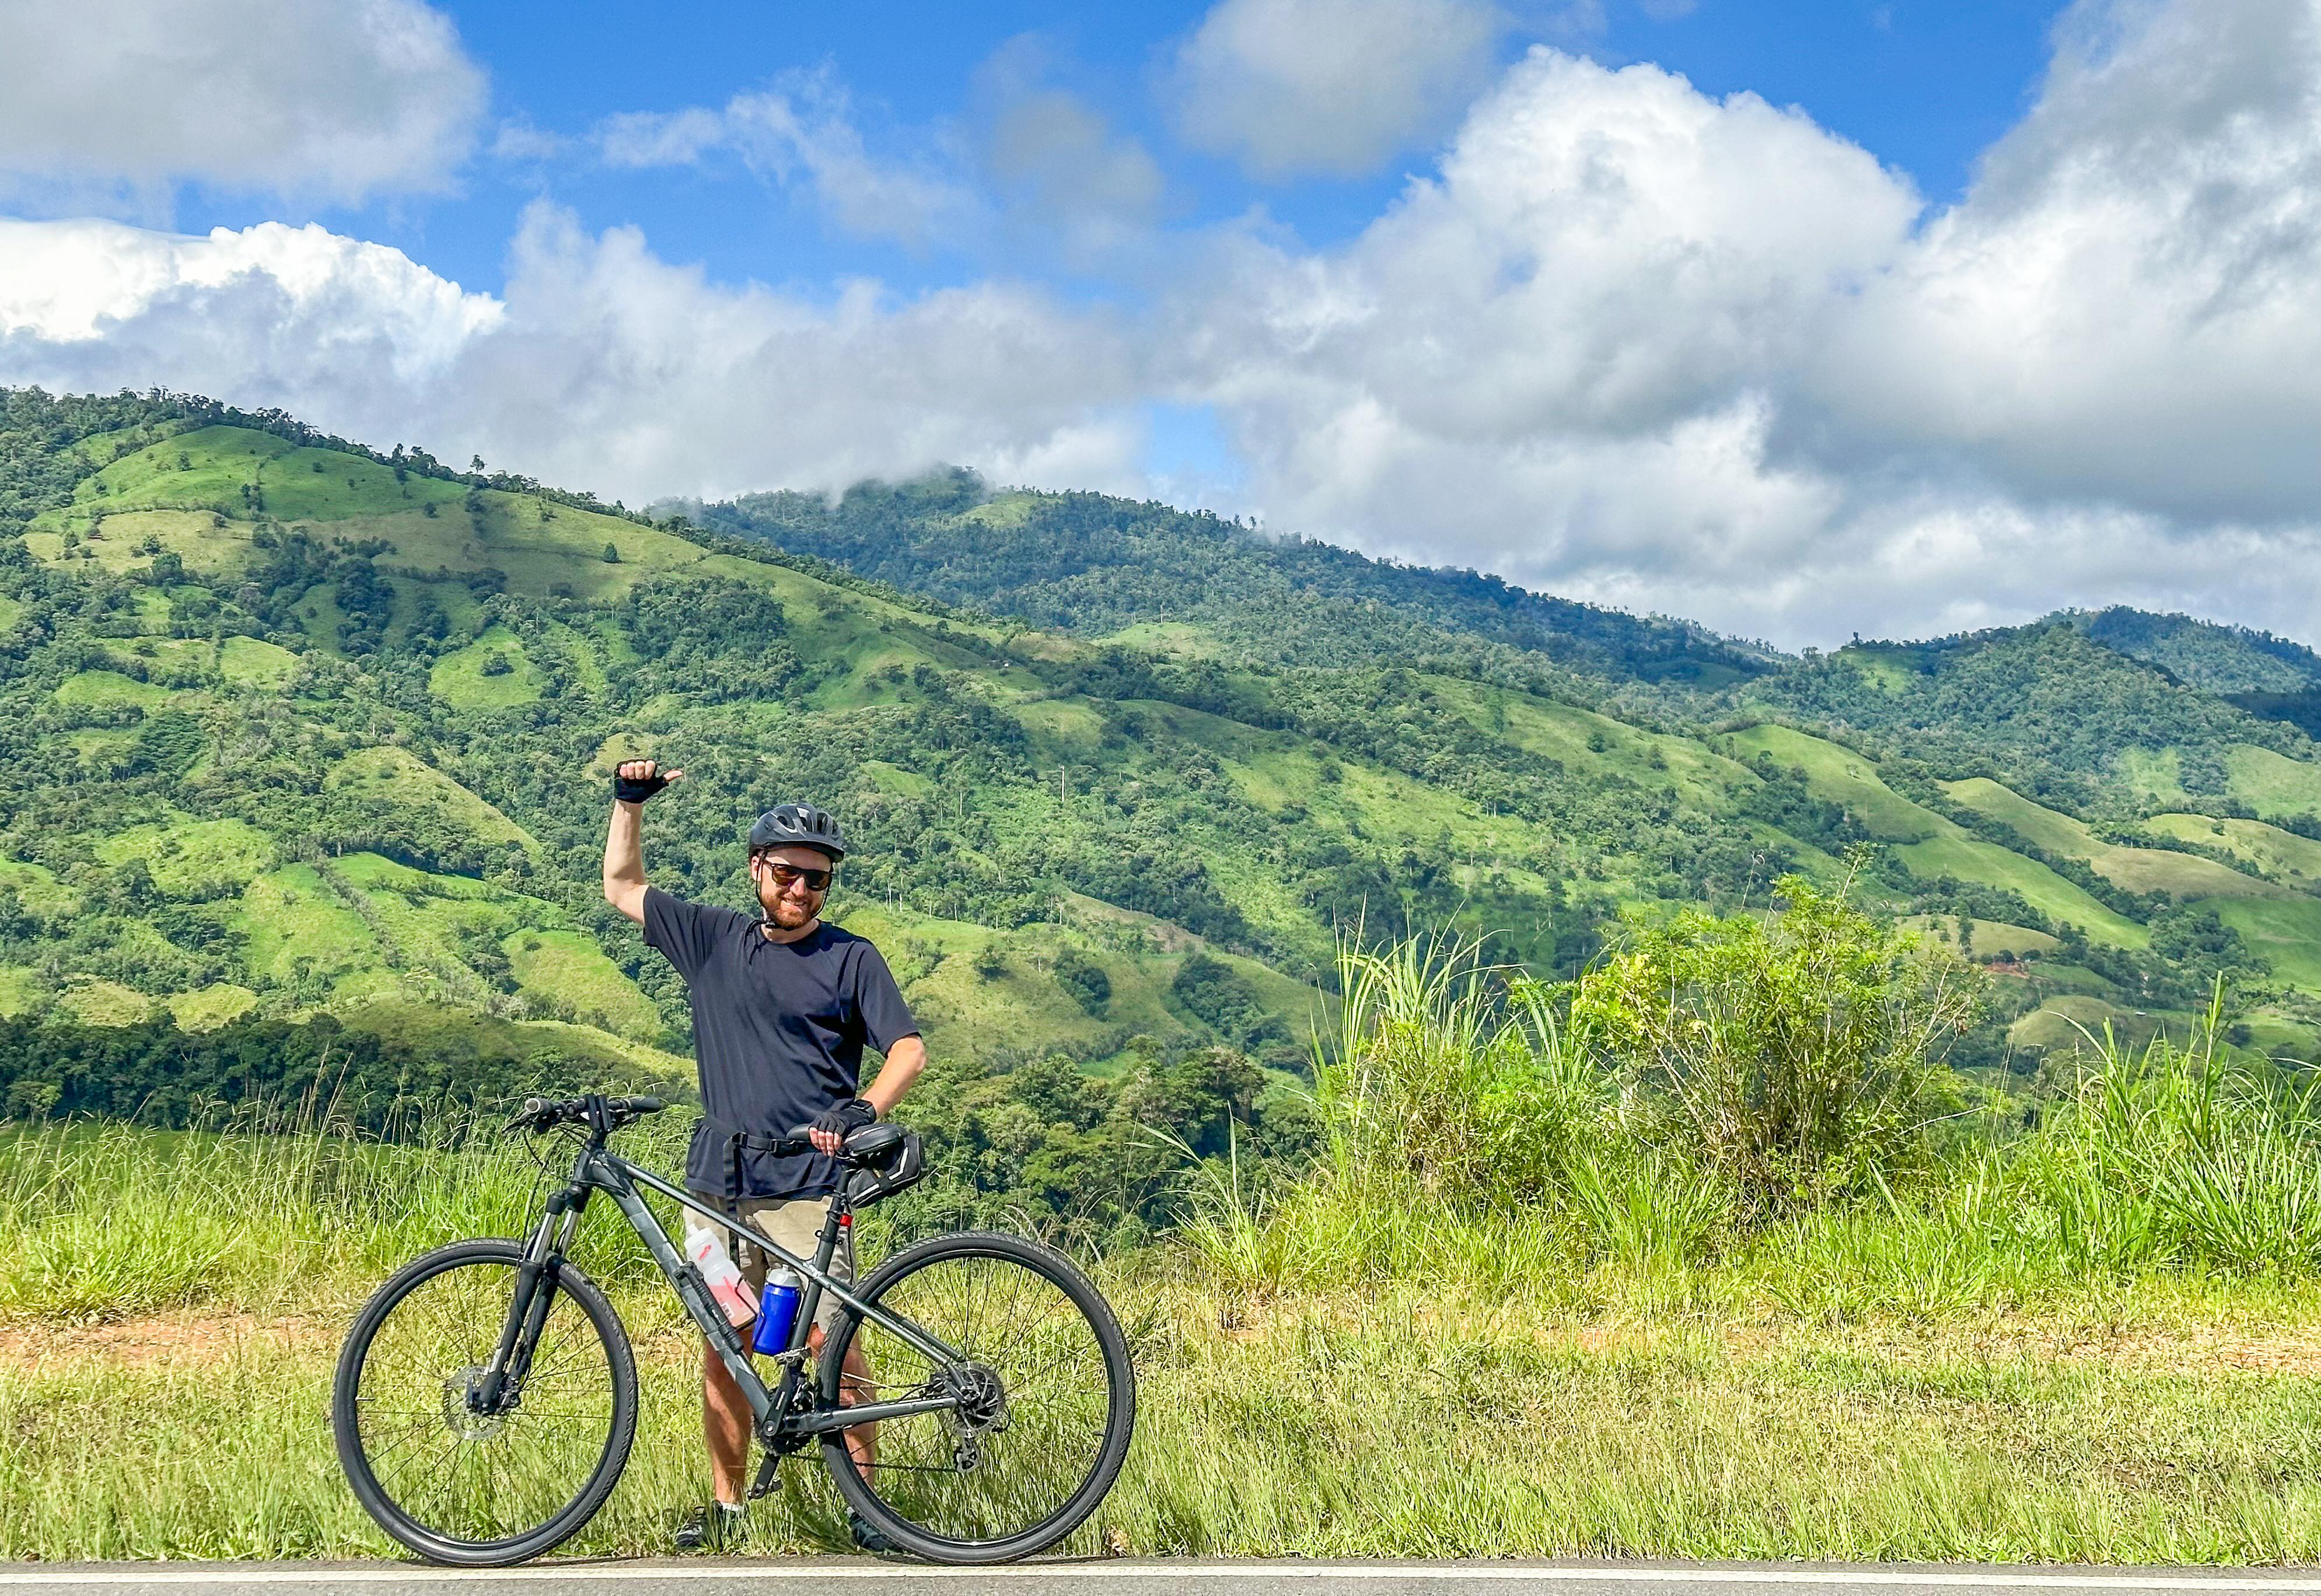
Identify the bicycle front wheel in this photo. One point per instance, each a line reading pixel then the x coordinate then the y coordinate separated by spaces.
pixel 458 1481
pixel 1045 1400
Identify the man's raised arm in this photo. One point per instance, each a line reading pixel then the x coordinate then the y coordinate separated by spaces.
pixel 624 839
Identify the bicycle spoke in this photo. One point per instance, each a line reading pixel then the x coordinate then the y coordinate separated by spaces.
pixel 481 1477
pixel 1002 1474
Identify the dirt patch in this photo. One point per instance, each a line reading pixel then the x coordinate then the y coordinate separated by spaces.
pixel 2200 1351
pixel 163 1340
pixel 190 1339
pixel 2191 1350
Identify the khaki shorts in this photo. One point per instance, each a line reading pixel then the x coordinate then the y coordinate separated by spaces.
pixel 795 1224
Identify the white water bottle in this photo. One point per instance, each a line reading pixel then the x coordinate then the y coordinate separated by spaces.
pixel 707 1248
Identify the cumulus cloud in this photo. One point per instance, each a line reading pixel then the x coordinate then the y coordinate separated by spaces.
pixel 297 317
pixel 1628 341
pixel 1703 355
pixel 1331 86
pixel 803 128
pixel 113 105
pixel 1565 357
pixel 2124 308
pixel 602 366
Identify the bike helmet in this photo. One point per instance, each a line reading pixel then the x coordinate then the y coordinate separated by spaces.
pixel 800 825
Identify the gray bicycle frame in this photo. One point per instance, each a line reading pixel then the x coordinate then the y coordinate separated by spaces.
pixel 599 1169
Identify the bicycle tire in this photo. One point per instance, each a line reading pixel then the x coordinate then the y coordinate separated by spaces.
pixel 437 1542
pixel 890 1286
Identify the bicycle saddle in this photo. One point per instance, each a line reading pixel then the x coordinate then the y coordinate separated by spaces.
pixel 872 1144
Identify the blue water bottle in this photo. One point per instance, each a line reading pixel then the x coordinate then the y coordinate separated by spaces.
pixel 775 1310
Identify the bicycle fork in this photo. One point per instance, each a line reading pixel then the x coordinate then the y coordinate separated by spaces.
pixel 501 1381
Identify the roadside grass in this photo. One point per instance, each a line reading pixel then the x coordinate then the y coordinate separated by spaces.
pixel 1410 1423
pixel 1522 1304
pixel 1870 1382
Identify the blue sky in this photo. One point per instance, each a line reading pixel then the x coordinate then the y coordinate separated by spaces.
pixel 1924 86
pixel 1800 319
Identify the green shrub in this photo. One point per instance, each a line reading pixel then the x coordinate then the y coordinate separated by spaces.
pixel 1213 992
pixel 1085 980
pixel 1795 1057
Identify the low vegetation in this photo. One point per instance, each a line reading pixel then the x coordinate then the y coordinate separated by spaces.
pixel 1703 1253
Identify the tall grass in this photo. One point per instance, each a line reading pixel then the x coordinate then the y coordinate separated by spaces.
pixel 1682 1143
pixel 104 1221
pixel 1525 1302
pixel 2178 1158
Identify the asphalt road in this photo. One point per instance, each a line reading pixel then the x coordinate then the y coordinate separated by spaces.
pixel 1134 1577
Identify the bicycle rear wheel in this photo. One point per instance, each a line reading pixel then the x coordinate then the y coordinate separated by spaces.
pixel 481 1489
pixel 1047 1399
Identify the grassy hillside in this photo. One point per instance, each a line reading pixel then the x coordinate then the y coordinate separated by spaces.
pixel 1152 576
pixel 298 727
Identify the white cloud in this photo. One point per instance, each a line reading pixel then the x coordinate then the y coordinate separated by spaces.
pixel 1629 342
pixel 616 368
pixel 297 317
pixel 518 140
pixel 602 367
pixel 803 126
pixel 1564 359
pixel 661 138
pixel 1061 163
pixel 116 104
pixel 1694 354
pixel 2125 307
pixel 1333 86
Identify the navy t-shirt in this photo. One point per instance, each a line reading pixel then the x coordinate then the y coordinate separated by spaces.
pixel 779 1029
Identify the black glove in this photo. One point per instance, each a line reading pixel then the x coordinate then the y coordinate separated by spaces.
pixel 844 1118
pixel 636 789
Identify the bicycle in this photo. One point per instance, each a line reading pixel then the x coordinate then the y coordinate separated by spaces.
pixel 485 1398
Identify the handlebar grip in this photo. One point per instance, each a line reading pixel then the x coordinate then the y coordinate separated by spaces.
pixel 646 1105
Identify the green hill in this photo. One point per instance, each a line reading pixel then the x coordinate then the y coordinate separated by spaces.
pixel 2225 659
pixel 1148 574
pixel 295 728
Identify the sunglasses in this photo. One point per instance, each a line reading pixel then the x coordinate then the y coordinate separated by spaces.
pixel 817 881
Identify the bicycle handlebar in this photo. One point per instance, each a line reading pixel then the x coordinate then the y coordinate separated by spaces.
pixel 545 1113
pixel 542 1114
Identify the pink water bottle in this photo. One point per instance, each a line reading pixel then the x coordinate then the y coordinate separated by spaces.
pixel 707 1248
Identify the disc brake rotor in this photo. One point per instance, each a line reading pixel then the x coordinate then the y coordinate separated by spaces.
pixel 460 1417
pixel 982 1398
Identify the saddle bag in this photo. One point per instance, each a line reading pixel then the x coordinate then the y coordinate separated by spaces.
pixel 892 1159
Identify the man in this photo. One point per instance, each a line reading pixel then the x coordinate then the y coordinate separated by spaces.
pixel 783 1006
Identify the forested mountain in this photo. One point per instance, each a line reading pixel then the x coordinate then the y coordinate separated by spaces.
pixel 303 738
pixel 1093 564
pixel 2215 659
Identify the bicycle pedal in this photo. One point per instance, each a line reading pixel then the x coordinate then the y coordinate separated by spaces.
pixel 769 1470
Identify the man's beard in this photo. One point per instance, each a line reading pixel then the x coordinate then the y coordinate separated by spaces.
pixel 786 911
